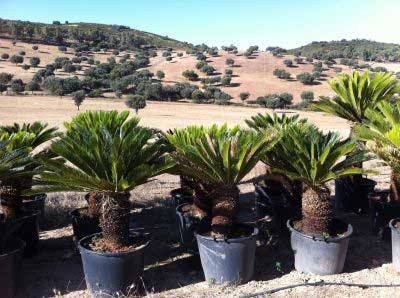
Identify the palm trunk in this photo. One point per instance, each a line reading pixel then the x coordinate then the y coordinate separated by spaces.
pixel 317 211
pixel 394 188
pixel 11 202
pixel 95 200
pixel 225 205
pixel 114 220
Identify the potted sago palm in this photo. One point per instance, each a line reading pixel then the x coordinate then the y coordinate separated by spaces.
pixel 356 94
pixel 12 166
pixel 85 220
pixel 381 132
pixel 217 159
pixel 277 195
pixel 319 240
pixel 15 204
pixel 110 163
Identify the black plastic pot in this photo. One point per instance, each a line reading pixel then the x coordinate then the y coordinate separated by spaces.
pixel 187 226
pixel 395 244
pixel 280 206
pixel 319 256
pixel 351 196
pixel 382 211
pixel 229 261
pixel 107 274
pixel 83 225
pixel 28 231
pixel 10 264
pixel 36 203
pixel 179 197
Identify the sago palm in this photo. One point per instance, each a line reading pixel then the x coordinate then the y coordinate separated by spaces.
pixel 110 162
pixel 217 159
pixel 306 154
pixel 356 93
pixel 279 184
pixel 381 132
pixel 28 137
pixel 83 123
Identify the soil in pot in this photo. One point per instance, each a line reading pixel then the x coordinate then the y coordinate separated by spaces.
pixel 83 224
pixel 10 264
pixel 110 273
pixel 228 261
pixel 323 255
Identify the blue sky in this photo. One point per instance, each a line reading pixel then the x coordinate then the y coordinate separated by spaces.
pixel 221 22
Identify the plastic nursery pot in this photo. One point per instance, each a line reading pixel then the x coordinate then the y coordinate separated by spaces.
pixel 35 203
pixel 351 197
pixel 382 211
pixel 187 226
pixel 28 231
pixel 395 244
pixel 319 256
pixel 83 225
pixel 180 197
pixel 229 261
pixel 10 264
pixel 108 274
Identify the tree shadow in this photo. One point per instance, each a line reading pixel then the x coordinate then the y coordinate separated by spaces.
pixel 234 85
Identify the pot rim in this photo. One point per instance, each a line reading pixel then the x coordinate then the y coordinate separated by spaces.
pixel 20 247
pixel 110 254
pixel 345 235
pixel 391 225
pixel 238 239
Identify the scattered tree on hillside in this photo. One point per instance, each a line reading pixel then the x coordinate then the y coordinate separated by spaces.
pixel 78 98
pixel 226 81
pixel 160 74
pixel 191 75
pixel 307 95
pixel 34 61
pixel 62 48
pixel 5 56
pixel 16 59
pixel 25 67
pixel 306 78
pixel 21 53
pixel 168 58
pixel 244 95
pixel 298 60
pixel 207 69
pixel 180 54
pixel 200 64
pixel 17 86
pixel 136 102
pixel 35 48
pixel 5 78
pixel 281 74
pixel 228 72
pixel 32 86
pixel 230 62
pixel 288 62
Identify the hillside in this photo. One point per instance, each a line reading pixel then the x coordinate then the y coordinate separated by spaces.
pixel 366 50
pixel 89 34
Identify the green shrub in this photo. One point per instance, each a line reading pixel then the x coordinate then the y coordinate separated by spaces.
pixel 78 97
pixel 16 59
pixel 5 78
pixel 136 102
pixel 281 74
pixel 306 78
pixel 288 62
pixel 230 62
pixel 191 75
pixel 307 95
pixel 5 56
pixel 32 86
pixel 160 74
pixel 226 81
pixel 34 61
pixel 244 95
pixel 197 96
pixel 17 86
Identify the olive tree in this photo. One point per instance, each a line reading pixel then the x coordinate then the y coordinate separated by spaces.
pixel 16 59
pixel 136 102
pixel 160 74
pixel 244 95
pixel 5 56
pixel 78 98
pixel 191 75
pixel 230 62
pixel 306 78
pixel 34 61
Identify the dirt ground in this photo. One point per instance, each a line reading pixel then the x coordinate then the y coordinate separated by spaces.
pixel 172 273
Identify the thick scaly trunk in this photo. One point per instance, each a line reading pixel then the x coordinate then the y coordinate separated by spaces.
pixel 225 205
pixel 114 220
pixel 11 202
pixel 95 202
pixel 317 211
pixel 394 188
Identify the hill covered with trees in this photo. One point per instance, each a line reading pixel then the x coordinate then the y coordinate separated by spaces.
pixel 364 49
pixel 86 35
